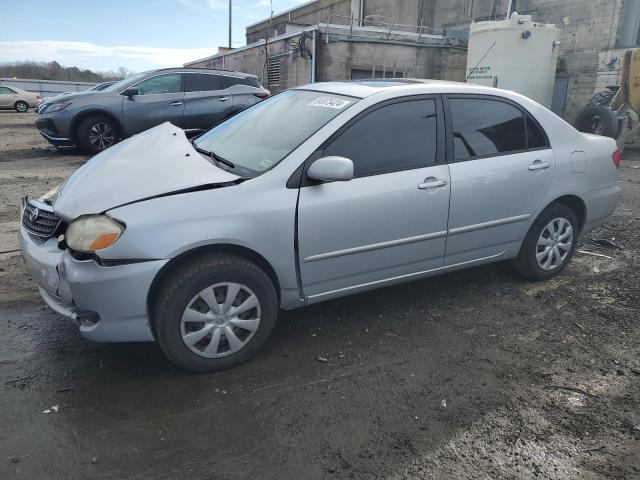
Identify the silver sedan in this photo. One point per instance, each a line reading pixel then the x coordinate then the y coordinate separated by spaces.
pixel 318 192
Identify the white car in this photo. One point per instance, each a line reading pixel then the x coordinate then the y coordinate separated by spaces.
pixel 315 193
pixel 17 99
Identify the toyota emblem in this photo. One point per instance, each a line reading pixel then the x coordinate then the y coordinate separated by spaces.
pixel 33 216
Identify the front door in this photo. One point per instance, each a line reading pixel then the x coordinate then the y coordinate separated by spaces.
pixel 390 220
pixel 160 99
pixel 501 169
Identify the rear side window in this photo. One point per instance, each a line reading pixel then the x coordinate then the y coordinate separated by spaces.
pixel 248 81
pixel 395 137
pixel 535 136
pixel 201 82
pixel 161 84
pixel 485 127
pixel 6 90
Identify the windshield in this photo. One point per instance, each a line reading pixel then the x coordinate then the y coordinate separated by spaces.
pixel 258 138
pixel 116 87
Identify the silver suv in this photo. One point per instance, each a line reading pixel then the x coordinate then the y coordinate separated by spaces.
pixel 192 99
pixel 318 192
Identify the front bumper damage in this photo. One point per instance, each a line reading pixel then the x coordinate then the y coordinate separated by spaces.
pixel 107 303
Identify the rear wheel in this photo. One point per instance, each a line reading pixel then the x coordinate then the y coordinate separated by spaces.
pixel 549 244
pixel 21 106
pixel 97 133
pixel 597 119
pixel 214 312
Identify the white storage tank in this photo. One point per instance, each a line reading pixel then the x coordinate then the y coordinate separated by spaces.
pixel 515 54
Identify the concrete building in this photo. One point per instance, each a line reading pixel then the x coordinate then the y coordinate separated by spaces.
pixel 349 39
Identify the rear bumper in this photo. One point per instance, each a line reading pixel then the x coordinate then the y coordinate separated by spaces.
pixel 109 304
pixel 600 205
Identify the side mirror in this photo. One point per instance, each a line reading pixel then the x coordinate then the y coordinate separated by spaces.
pixel 130 92
pixel 331 169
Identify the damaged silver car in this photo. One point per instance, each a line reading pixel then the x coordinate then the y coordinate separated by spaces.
pixel 318 192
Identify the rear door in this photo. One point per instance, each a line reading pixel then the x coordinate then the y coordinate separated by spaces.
pixel 390 220
pixel 501 167
pixel 246 91
pixel 206 101
pixel 160 99
pixel 7 97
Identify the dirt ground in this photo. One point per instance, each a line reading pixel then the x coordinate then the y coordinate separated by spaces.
pixel 477 374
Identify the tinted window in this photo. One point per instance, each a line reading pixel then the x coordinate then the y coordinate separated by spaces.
pixel 160 84
pixel 485 127
pixel 248 81
pixel 394 137
pixel 199 82
pixel 535 136
pixel 6 90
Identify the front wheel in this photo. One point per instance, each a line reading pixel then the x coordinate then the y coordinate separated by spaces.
pixel 214 312
pixel 97 133
pixel 21 106
pixel 549 244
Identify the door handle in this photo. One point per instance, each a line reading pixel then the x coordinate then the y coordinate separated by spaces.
pixel 538 165
pixel 432 182
pixel 223 99
pixel 175 104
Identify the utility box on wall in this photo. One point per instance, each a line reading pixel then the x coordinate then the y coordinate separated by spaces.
pixel 515 54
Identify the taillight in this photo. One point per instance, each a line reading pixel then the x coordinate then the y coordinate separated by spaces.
pixel 263 95
pixel 615 157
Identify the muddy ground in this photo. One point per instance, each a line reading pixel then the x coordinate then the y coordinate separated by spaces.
pixel 477 374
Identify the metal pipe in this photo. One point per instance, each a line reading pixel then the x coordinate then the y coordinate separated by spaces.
pixel 230 5
pixel 509 7
pixel 313 53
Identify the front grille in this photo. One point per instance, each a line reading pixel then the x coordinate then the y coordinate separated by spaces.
pixel 43 223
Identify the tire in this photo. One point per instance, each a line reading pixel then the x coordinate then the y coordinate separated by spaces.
pixel 604 97
pixel 597 119
pixel 97 133
pixel 21 106
pixel 180 303
pixel 527 263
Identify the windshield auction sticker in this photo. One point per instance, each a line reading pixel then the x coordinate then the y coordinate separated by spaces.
pixel 330 102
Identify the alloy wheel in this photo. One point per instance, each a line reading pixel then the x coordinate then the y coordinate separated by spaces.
pixel 21 107
pixel 220 320
pixel 101 135
pixel 554 244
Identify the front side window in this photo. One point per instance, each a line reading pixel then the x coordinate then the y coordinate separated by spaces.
pixel 160 84
pixel 484 127
pixel 261 136
pixel 394 137
pixel 201 82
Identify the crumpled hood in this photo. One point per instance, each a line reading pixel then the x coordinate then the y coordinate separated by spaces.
pixel 155 162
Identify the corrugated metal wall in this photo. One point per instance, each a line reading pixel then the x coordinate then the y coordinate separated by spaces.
pixel 45 88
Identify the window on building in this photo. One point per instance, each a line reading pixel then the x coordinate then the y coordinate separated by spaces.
pixel 201 82
pixel 362 74
pixel 485 127
pixel 395 137
pixel 161 84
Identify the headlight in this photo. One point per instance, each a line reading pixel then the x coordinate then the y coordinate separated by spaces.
pixel 55 107
pixel 50 196
pixel 92 232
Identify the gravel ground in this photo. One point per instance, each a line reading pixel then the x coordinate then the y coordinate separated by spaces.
pixel 476 374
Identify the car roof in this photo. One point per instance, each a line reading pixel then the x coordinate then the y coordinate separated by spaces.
pixel 365 88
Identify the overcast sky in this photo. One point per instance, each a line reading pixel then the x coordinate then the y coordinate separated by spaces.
pixel 138 34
